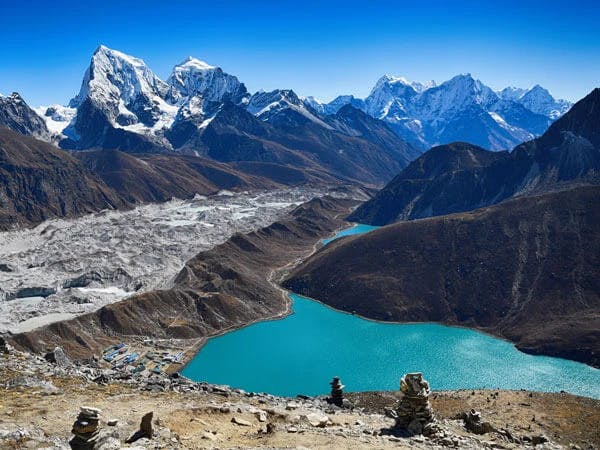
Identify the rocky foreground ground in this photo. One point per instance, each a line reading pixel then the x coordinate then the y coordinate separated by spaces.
pixel 41 400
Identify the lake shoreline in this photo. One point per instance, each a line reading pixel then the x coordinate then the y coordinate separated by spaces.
pixel 279 274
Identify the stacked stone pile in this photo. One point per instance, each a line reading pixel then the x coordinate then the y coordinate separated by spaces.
pixel 337 392
pixel 85 429
pixel 4 347
pixel 414 411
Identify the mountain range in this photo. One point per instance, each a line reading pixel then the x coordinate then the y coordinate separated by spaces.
pixel 462 176
pixel 201 110
pixel 206 125
pixel 123 104
pixel 460 109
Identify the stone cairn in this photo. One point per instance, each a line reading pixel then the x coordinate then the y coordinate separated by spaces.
pixel 4 347
pixel 85 429
pixel 414 411
pixel 337 392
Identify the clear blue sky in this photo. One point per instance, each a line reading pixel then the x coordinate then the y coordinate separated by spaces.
pixel 321 48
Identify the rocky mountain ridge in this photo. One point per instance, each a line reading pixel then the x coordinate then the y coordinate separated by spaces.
pixel 38 181
pixel 16 115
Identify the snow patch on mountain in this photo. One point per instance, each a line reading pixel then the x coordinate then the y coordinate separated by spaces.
pixel 57 117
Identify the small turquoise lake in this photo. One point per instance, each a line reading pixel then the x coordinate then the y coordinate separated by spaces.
pixel 360 228
pixel 300 354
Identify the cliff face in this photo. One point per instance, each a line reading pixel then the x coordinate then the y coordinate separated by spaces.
pixel 226 287
pixel 527 269
pixel 39 181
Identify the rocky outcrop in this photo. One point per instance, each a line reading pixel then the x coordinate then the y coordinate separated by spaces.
pixel 474 423
pixel 526 270
pixel 461 177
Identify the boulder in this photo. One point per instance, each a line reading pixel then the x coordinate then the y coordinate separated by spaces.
pixel 4 347
pixel 146 429
pixel 241 422
pixel 58 357
pixel 474 423
pixel 317 419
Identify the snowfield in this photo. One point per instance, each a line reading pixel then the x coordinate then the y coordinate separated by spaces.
pixel 63 268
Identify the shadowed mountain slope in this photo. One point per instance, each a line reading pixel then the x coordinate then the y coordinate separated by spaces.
pixel 39 181
pixel 157 178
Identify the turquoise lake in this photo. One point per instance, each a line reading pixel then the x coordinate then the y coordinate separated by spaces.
pixel 359 228
pixel 302 352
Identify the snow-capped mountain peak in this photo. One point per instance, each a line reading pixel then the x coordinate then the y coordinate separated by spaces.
pixel 190 61
pixel 195 77
pixel 18 116
pixel 113 76
pixel 119 91
pixel 392 80
pixel 540 101
pixel 272 106
pixel 511 93
pixel 453 95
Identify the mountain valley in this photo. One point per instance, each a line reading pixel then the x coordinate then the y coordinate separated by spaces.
pixel 162 238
